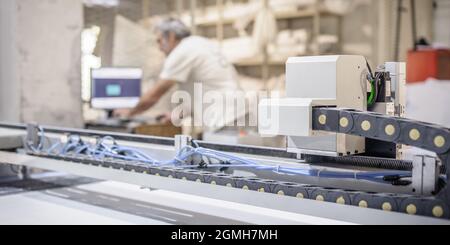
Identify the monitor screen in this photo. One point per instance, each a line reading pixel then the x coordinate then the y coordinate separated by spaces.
pixel 115 88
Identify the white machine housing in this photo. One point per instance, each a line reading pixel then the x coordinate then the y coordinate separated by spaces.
pixel 332 81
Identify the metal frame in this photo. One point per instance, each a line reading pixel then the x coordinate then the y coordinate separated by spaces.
pixel 252 150
pixel 376 201
pixel 326 212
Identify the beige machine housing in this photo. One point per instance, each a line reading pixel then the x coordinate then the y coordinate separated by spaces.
pixel 334 81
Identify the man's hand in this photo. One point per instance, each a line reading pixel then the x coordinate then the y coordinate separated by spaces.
pixel 122 113
pixel 165 118
pixel 148 100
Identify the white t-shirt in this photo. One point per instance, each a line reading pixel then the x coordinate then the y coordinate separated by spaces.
pixel 197 60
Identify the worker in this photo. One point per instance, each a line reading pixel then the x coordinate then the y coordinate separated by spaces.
pixel 191 60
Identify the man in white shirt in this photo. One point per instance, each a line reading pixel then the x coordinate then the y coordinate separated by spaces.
pixel 191 60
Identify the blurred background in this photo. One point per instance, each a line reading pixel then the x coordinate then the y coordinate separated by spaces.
pixel 49 47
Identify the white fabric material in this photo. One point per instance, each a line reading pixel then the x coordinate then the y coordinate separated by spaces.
pixel 198 60
pixel 429 102
pixel 265 29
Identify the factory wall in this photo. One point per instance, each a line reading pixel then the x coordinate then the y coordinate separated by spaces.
pixel 9 87
pixel 40 61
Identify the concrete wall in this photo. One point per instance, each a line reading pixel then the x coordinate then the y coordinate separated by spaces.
pixel 9 87
pixel 42 59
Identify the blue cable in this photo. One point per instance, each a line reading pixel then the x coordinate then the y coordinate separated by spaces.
pixel 101 150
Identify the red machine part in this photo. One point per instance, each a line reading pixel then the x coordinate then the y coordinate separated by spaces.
pixel 425 64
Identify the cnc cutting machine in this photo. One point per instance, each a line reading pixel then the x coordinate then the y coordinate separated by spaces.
pixel 337 110
pixel 343 162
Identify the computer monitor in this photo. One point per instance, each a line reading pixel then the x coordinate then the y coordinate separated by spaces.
pixel 115 88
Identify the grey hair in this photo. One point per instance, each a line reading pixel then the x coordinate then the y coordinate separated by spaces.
pixel 175 26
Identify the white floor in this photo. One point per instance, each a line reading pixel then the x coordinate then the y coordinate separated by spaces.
pixel 123 204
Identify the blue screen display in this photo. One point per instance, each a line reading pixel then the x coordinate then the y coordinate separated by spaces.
pixel 107 88
pixel 113 90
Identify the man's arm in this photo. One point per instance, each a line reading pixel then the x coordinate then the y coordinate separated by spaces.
pixel 149 99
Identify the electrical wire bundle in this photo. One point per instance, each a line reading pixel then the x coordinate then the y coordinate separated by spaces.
pixel 100 150
pixel 375 85
pixel 198 157
pixel 217 159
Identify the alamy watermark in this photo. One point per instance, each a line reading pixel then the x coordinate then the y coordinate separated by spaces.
pixel 217 109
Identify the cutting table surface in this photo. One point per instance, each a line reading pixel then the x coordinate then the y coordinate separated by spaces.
pixel 110 202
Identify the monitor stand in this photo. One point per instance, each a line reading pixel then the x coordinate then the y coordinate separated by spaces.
pixel 107 122
pixel 109 114
pixel 111 119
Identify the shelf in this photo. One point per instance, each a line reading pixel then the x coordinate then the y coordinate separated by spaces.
pixel 294 12
pixel 279 14
pixel 258 61
pixel 210 17
pixel 302 14
pixel 275 61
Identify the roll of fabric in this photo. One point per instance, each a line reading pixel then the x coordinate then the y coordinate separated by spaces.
pixel 265 29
